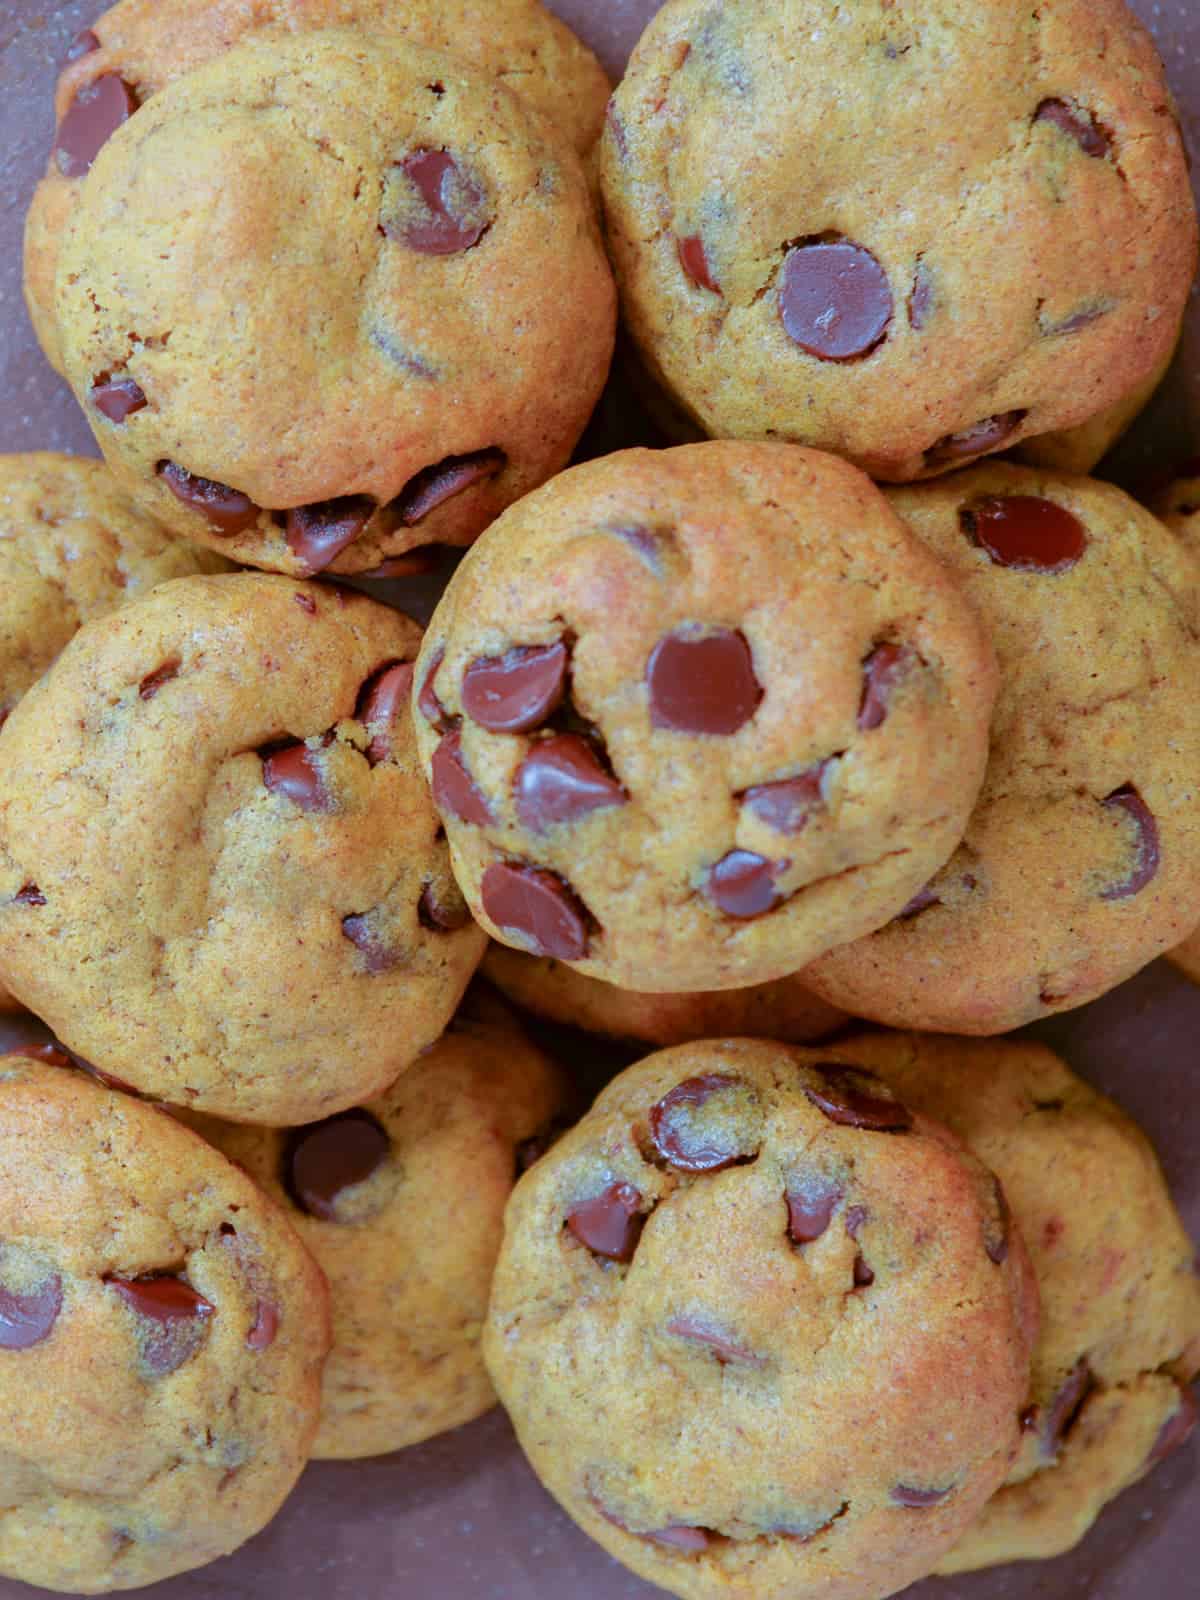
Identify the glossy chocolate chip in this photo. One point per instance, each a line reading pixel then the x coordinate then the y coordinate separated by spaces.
pixel 266 1326
pixel 53 1055
pixel 539 906
pixel 377 953
pixel 742 885
pixel 1174 1433
pixel 611 1224
pixel 175 1315
pixel 1148 851
pixel 702 682
pixel 430 707
pixel 517 691
pixel 83 44
pixel 153 681
pixel 835 300
pixel 918 1499
pixel 382 702
pixel 117 398
pixel 920 301
pixel 854 1098
pixel 226 510
pixel 810 1206
pixel 326 1158
pixel 28 1317
pixel 693 258
pixel 690 1540
pixel 29 895
pixel 706 1124
pixel 1078 124
pixel 789 805
pixel 1065 1407
pixel 452 215
pixel 454 789
pixel 433 486
pixel 882 671
pixel 562 780
pixel 442 909
pixel 1026 533
pixel 977 440
pixel 294 773
pixel 719 1341
pixel 95 114
pixel 997 1236
pixel 317 534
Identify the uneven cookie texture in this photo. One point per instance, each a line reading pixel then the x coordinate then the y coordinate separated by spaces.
pixel 1081 863
pixel 405 315
pixel 691 714
pixel 221 877
pixel 401 1201
pixel 803 203
pixel 1120 1334
pixel 695 1281
pixel 162 1333
pixel 140 46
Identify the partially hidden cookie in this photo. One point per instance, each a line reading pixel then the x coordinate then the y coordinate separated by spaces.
pixel 221 877
pixel 141 46
pixel 689 715
pixel 407 314
pixel 802 202
pixel 761 1328
pixel 401 1200
pixel 1179 505
pixel 1083 448
pixel 162 1334
pixel 1120 1335
pixel 1081 862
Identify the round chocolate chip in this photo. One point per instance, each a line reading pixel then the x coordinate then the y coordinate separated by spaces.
pixel 707 1123
pixel 980 439
pixel 1078 124
pixel 702 682
pixel 433 486
pixel 1147 852
pixel 117 398
pixel 562 780
pixel 882 671
pixel 454 789
pixel 83 44
pixel 153 681
pixel 693 258
pixel 1065 1407
pixel 611 1224
pixel 539 907
pixel 1175 1431
pixel 742 885
pixel 266 1326
pixel 326 1158
pixel 95 114
pixel 854 1098
pixel 810 1205
pixel 382 703
pixel 176 1317
pixel 1026 533
pixel 517 691
pixel 28 1316
pixel 835 300
pixel 722 1344
pixel 317 534
pixel 451 216
pixel 226 510
pixel 789 805
pixel 918 1499
pixel 377 953
pixel 430 707
pixel 294 773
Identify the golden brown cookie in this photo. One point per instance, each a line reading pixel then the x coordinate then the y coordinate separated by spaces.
pixel 691 714
pixel 1081 862
pixel 221 877
pixel 407 314
pixel 1083 448
pixel 140 46
pixel 162 1333
pixel 804 206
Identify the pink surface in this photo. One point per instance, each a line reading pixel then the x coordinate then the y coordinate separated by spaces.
pixel 463 1518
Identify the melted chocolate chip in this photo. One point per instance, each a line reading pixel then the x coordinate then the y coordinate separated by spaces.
pixel 1174 1433
pixel 923 900
pixel 788 806
pixel 882 671
pixel 863 1276
pixel 153 681
pixel 27 1318
pixel 51 1054
pixel 29 895
pixel 517 691
pixel 742 885
pixel 918 1499
pixel 453 214
pixel 433 486
pixel 226 510
pixel 442 910
pixel 378 955
pixel 317 534
pixel 854 1098
pixel 382 702
pixel 307 603
pixel 690 1540
pixel 693 258
pixel 95 114
pixel 539 906
pixel 454 789
pixel 977 440
pixel 326 1158
pixel 1078 124
pixel 430 707
pixel 835 300
pixel 294 773
pixel 1065 1407
pixel 1076 322
pixel 702 1124
pixel 810 1206
pixel 83 44
pixel 1148 852
pixel 175 1316
pixel 562 780
pixel 117 398
pixel 722 1344
pixel 702 683
pixel 1026 533
pixel 266 1326
pixel 996 1239
pixel 611 1224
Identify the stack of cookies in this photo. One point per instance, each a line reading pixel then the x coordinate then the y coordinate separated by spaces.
pixel 859 701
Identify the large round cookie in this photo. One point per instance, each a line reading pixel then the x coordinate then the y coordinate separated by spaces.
pixel 401 1201
pixel 406 315
pixel 162 1333
pixel 1081 862
pixel 140 46
pixel 221 877
pixel 691 714
pixel 760 1329
pixel 825 232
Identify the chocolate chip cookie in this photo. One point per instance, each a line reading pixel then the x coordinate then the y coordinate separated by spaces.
pixel 1083 448
pixel 698 1281
pixel 221 877
pixel 1120 1333
pixel 140 46
pixel 689 715
pixel 162 1333
pixel 1081 863
pixel 406 315
pixel 823 232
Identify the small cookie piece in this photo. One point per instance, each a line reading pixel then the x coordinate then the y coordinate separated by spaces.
pixel 1120 1334
pixel 221 876
pixel 364 1191
pixel 140 46
pixel 162 1333
pixel 696 1283
pixel 803 203
pixel 424 312
pixel 787 1009
pixel 689 715
pixel 1081 863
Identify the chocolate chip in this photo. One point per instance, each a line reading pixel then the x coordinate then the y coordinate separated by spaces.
pixel 649 543
pixel 611 1224
pixel 27 1317
pixel 317 534
pixel 517 691
pixel 83 44
pixel 1174 1433
pixel 29 895
pixel 977 440
pixel 920 301
pixel 539 906
pixel 788 806
pixel 854 1098
pixel 882 671
pixel 294 773
pixel 617 128
pixel 176 1317
pixel 326 1158
pixel 454 789
pixel 923 900
pixel 702 682
pixel 1026 533
pixel 266 1326
pixel 863 1276
pixel 1076 322
pixel 1146 860
pixel 1029 1419
pixel 95 114
pixel 855 1218
pixel 430 707
pixel 707 1123
pixel 742 885
pixel 153 681
pixel 226 510
pixel 562 780
pixel 117 398
pixel 433 486
pixel 918 1499
pixel 835 299
pixel 51 1054
pixel 378 955
pixel 727 1350
pixel 307 603
pixel 382 702
pixel 442 910
pixel 452 215
pixel 996 1237
pixel 693 258
pixel 1065 1407
pixel 811 1204
pixel 1078 124
pixel 690 1540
